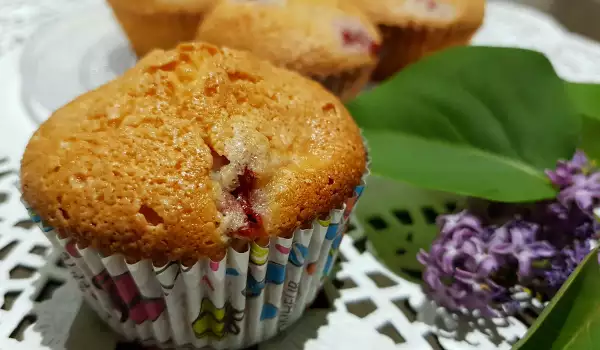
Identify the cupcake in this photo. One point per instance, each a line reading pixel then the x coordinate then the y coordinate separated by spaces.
pixel 329 41
pixel 200 199
pixel 159 24
pixel 412 29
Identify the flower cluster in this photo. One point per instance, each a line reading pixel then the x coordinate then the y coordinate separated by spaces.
pixel 577 181
pixel 473 266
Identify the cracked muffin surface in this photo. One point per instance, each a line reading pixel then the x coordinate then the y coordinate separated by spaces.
pixel 188 151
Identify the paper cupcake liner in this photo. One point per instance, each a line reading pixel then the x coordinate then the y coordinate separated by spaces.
pixel 348 84
pixel 245 298
pixel 162 30
pixel 402 46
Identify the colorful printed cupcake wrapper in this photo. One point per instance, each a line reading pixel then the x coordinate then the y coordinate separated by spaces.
pixel 233 303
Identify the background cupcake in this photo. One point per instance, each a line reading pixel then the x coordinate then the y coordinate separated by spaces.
pixel 412 29
pixel 159 24
pixel 330 41
pixel 196 191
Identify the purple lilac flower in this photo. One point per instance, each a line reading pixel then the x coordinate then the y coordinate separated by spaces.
pixel 459 289
pixel 474 267
pixel 585 231
pixel 562 176
pixel 459 266
pixel 450 224
pixel 571 215
pixel 477 257
pixel 584 191
pixel 561 224
pixel 577 181
pixel 581 186
pixel 561 267
pixel 517 239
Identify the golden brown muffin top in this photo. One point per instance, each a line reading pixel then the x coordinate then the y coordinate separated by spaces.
pixel 433 13
pixel 162 6
pixel 314 37
pixel 187 149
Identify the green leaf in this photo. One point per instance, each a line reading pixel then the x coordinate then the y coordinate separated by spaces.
pixel 572 319
pixel 590 143
pixel 477 121
pixel 586 98
pixel 461 170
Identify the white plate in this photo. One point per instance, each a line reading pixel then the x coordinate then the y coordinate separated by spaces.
pixel 69 56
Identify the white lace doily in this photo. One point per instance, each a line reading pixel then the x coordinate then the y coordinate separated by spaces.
pixel 375 307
